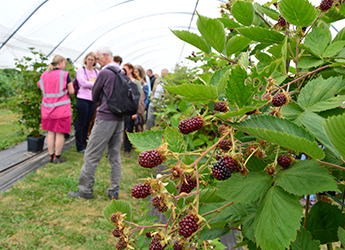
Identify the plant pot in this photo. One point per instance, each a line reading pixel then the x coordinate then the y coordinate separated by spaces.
pixel 35 144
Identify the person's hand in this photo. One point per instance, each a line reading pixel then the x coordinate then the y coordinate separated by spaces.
pixel 134 117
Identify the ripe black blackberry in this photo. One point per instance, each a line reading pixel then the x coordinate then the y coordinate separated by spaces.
pixel 223 169
pixel 190 125
pixel 117 232
pixel 220 106
pixel 224 144
pixel 279 100
pixel 121 245
pixel 155 244
pixel 190 185
pixel 281 21
pixel 188 225
pixel 284 161
pixel 150 159
pixel 156 202
pixel 326 5
pixel 178 246
pixel 141 191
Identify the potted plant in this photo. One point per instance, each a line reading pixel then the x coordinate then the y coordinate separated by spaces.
pixel 28 97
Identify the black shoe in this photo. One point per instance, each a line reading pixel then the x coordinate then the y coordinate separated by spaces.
pixel 114 195
pixel 80 195
pixel 60 159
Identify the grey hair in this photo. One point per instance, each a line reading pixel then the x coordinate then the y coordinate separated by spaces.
pixel 166 70
pixel 105 50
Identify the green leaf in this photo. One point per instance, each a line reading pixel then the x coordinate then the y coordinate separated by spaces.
pixel 333 49
pixel 324 220
pixel 243 12
pixel 268 11
pixel 255 185
pixel 118 206
pixel 217 76
pixel 236 43
pixel 280 214
pixel 334 127
pixel 298 12
pixel 317 40
pixel 175 140
pixel 304 241
pixel 292 111
pixel 195 92
pixel 210 234
pixel 148 140
pixel 193 39
pixel 282 132
pixel 333 15
pixel 341 235
pixel 212 31
pixel 308 62
pixel 107 223
pixel 318 94
pixel 244 60
pixel 306 177
pixel 313 123
pixel 207 195
pixel 340 36
pixel 229 23
pixel 262 35
pixel 238 112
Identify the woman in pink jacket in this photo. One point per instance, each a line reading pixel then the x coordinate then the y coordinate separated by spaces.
pixel 56 114
pixel 86 77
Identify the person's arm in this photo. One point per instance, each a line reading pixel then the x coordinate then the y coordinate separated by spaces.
pixel 70 88
pixel 97 87
pixel 82 80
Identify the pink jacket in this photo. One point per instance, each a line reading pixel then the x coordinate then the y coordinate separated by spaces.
pixel 56 102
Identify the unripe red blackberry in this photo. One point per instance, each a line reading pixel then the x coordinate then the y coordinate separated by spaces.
pixel 190 125
pixel 222 128
pixel 284 161
pixel 223 169
pixel 155 244
pixel 190 185
pixel 326 5
pixel 281 21
pixel 220 106
pixel 117 232
pixel 114 218
pixel 141 191
pixel 156 202
pixel 178 246
pixel 121 245
pixel 150 159
pixel 188 225
pixel 148 235
pixel 279 100
pixel 224 144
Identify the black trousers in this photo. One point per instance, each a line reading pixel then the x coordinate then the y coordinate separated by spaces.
pixel 129 127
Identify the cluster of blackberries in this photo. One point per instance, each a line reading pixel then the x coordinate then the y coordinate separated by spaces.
pixel 156 202
pixel 190 125
pixel 223 169
pixel 188 184
pixel 281 21
pixel 188 225
pixel 150 159
pixel 220 106
pixel 121 245
pixel 141 191
pixel 279 100
pixel 224 145
pixel 326 5
pixel 155 244
pixel 284 161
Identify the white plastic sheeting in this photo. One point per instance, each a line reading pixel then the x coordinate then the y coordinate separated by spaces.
pixel 137 30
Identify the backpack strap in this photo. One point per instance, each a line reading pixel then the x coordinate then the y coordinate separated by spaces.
pixel 102 93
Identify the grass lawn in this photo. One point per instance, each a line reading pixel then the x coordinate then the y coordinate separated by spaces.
pixel 36 213
pixel 11 132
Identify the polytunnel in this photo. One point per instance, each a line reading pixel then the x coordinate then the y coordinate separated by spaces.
pixel 137 30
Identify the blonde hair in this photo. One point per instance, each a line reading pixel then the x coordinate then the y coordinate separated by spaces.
pixel 55 62
pixel 93 55
pixel 141 72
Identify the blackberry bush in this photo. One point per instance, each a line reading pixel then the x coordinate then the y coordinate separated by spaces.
pixel 189 184
pixel 279 100
pixel 284 161
pixel 188 225
pixel 223 169
pixel 190 125
pixel 141 191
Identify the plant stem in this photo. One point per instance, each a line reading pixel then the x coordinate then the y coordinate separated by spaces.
pixel 330 164
pixel 329 246
pixel 197 188
pixel 310 73
pixel 306 211
pixel 263 19
pixel 218 209
pixel 342 160
pixel 312 25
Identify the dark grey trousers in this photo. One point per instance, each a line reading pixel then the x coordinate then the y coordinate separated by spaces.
pixel 104 134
